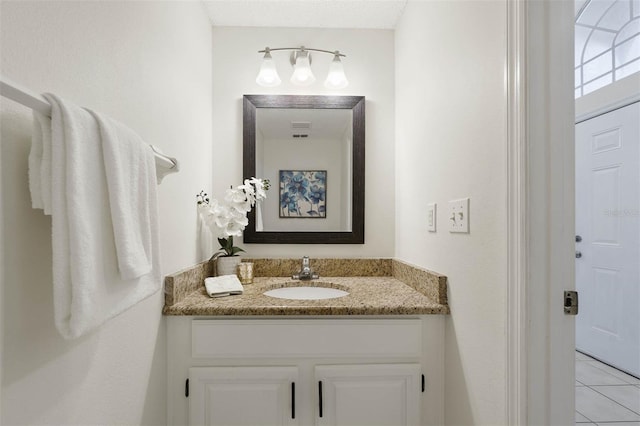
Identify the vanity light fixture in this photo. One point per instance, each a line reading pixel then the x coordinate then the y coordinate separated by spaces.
pixel 268 75
pixel 302 74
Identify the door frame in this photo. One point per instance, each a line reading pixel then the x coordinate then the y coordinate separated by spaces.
pixel 610 107
pixel 516 298
pixel 540 212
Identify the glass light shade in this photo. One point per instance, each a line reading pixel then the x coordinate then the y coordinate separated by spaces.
pixel 336 78
pixel 302 75
pixel 268 75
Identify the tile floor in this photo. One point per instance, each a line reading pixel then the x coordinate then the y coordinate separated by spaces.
pixel 604 395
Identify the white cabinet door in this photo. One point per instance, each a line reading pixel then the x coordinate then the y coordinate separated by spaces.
pixel 242 396
pixel 368 395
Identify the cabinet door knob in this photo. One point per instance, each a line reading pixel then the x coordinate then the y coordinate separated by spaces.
pixel 578 255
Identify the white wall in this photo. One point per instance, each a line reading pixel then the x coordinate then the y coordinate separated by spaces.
pixel 347 176
pixel 147 64
pixel 370 70
pixel 450 144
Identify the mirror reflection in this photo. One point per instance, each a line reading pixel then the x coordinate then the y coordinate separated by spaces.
pixel 311 148
pixel 306 154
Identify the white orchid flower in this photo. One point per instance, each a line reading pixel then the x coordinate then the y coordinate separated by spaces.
pixel 228 219
pixel 260 191
pixel 249 191
pixel 238 200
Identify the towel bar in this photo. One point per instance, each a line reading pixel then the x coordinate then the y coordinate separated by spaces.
pixel 13 91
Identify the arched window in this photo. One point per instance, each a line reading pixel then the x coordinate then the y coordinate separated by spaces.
pixel 607 37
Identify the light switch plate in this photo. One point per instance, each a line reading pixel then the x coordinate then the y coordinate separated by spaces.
pixel 459 215
pixel 431 217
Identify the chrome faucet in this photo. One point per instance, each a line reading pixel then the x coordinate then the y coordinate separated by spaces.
pixel 306 273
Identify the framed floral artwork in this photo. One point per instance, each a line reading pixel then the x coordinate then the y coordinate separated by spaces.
pixel 303 194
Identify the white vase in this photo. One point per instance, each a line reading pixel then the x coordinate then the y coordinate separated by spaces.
pixel 227 265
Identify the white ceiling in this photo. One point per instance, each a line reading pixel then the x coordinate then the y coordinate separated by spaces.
pixel 377 14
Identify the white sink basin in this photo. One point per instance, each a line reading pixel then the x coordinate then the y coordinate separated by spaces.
pixel 305 293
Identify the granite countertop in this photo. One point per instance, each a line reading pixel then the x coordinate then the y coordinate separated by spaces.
pixel 367 296
pixel 402 290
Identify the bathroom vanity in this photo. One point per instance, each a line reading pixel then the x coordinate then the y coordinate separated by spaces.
pixel 373 357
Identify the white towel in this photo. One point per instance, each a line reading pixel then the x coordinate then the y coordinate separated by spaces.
pixel 40 163
pixel 224 285
pixel 131 182
pixel 87 286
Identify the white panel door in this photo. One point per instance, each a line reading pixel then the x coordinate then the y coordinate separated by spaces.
pixel 368 395
pixel 608 221
pixel 242 396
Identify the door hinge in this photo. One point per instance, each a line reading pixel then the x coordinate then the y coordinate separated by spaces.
pixel 423 384
pixel 571 302
pixel 186 388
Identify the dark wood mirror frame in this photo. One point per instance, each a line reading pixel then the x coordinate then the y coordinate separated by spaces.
pixel 356 105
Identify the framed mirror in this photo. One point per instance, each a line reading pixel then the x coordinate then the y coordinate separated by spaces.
pixel 311 148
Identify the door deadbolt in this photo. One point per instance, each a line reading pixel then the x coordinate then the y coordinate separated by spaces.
pixel 578 238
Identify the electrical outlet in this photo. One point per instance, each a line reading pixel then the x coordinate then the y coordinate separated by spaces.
pixel 431 217
pixel 459 215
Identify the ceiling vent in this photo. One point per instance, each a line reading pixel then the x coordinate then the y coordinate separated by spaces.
pixel 300 125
